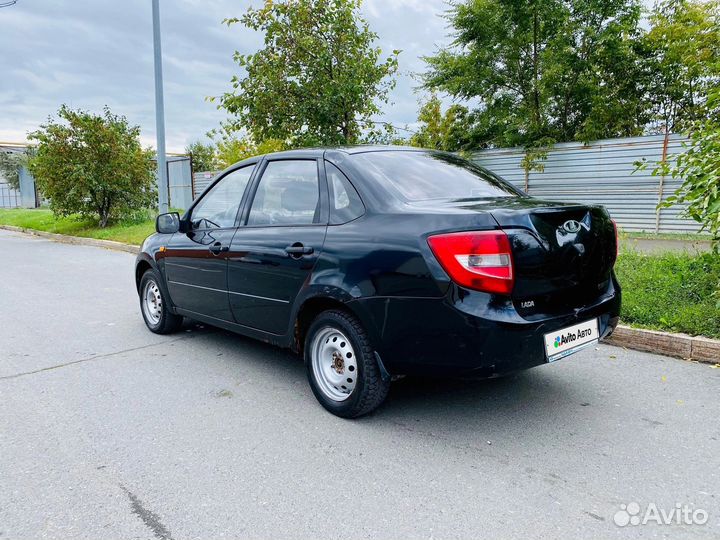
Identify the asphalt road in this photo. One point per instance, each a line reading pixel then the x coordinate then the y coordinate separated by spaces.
pixel 108 431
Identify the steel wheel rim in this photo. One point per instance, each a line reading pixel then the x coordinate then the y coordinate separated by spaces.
pixel 152 302
pixel 334 363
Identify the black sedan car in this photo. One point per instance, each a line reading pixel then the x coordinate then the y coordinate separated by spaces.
pixel 379 262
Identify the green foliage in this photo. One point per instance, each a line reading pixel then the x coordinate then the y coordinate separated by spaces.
pixel 672 292
pixel 682 50
pixel 230 150
pixel 92 165
pixel 383 133
pixel 202 156
pixel 535 157
pixel 317 80
pixel 699 168
pixel 448 131
pixel 542 70
pixel 10 163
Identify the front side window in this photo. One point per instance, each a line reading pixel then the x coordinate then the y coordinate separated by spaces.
pixel 219 207
pixel 288 194
pixel 419 176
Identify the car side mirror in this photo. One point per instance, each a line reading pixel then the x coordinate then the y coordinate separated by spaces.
pixel 168 223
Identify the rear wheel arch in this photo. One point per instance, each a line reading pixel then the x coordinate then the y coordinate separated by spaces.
pixel 308 311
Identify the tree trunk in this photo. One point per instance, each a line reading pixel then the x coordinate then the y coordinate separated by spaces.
pixel 536 89
pixel 346 127
pixel 104 212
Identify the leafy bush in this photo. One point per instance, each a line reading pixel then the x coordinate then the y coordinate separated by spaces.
pixel 699 168
pixel 230 149
pixel 93 165
pixel 202 156
pixel 672 292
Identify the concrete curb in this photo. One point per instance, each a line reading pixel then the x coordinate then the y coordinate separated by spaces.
pixel 678 345
pixel 682 346
pixel 77 240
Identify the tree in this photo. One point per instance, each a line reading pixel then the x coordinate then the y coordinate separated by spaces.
pixel 92 165
pixel 202 156
pixel 442 131
pixel 317 81
pixel 233 149
pixel 699 168
pixel 541 69
pixel 682 49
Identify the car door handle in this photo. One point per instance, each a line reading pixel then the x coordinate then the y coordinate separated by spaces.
pixel 298 249
pixel 218 248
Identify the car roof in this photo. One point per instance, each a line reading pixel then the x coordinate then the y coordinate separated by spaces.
pixel 320 151
pixel 355 149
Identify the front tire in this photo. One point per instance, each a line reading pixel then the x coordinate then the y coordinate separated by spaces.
pixel 155 307
pixel 341 366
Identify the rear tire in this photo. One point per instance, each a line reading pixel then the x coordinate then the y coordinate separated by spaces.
pixel 154 306
pixel 341 366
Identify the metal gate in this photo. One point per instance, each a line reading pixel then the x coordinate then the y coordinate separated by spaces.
pixel 9 197
pixel 179 175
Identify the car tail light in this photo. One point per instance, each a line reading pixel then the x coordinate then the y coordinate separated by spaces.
pixel 480 260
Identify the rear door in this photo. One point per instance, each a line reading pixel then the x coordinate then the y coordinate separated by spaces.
pixel 274 251
pixel 196 261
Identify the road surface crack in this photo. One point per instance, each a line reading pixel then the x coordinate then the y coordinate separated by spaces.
pixel 148 517
pixel 91 358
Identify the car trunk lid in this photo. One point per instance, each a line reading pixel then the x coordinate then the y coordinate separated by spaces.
pixel 563 253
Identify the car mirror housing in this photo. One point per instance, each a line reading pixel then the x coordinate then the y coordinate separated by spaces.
pixel 168 223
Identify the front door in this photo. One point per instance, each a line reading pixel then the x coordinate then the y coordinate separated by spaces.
pixel 196 261
pixel 273 254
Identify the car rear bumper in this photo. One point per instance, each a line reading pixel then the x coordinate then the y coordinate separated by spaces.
pixel 469 333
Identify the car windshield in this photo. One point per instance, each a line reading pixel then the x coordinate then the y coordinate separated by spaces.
pixel 420 176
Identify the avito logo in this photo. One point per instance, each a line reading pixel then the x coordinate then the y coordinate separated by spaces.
pixel 572 336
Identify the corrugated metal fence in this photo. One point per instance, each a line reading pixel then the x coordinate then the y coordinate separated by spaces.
pixel 201 180
pixel 601 172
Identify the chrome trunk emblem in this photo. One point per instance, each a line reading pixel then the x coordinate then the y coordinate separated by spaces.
pixel 567 232
pixel 571 226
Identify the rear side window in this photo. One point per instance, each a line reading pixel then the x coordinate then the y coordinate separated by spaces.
pixel 288 194
pixel 345 203
pixel 418 176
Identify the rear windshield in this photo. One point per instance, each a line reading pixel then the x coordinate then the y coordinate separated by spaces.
pixel 420 176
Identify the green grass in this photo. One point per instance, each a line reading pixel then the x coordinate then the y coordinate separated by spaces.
pixel 131 231
pixel 685 237
pixel 673 292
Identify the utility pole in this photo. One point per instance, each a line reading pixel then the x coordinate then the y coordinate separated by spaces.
pixel 162 179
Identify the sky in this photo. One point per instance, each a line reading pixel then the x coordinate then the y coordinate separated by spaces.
pixel 91 53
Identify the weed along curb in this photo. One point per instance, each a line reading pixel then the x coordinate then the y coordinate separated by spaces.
pixel 678 345
pixel 77 240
